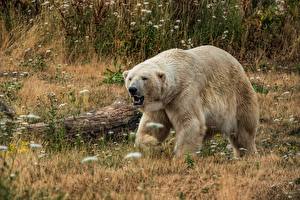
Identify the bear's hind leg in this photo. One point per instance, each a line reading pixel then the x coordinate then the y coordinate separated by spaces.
pixel 189 138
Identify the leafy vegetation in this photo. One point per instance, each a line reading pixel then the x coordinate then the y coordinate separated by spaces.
pixel 135 30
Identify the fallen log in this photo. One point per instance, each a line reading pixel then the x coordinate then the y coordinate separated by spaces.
pixel 7 110
pixel 112 121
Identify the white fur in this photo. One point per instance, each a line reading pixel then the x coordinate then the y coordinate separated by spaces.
pixel 203 90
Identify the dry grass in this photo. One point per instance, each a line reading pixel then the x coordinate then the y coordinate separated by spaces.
pixel 269 175
pixel 262 177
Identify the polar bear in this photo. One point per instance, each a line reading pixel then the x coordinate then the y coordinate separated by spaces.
pixel 196 92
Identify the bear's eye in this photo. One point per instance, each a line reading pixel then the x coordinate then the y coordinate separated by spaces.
pixel 130 79
pixel 144 78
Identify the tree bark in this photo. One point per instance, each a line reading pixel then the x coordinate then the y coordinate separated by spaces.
pixel 113 121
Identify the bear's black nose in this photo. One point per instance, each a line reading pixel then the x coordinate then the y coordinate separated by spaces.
pixel 132 90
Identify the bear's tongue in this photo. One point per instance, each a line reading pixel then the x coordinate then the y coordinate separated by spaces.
pixel 137 101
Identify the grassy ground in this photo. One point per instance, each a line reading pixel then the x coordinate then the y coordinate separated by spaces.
pixel 59 174
pixel 40 41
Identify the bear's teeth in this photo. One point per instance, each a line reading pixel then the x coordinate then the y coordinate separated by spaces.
pixel 138 100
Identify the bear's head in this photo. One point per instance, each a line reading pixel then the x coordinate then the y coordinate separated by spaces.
pixel 145 84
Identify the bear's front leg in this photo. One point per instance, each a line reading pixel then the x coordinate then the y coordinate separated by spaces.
pixel 189 137
pixel 151 136
pixel 189 123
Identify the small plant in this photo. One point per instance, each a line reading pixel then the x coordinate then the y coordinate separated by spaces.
pixel 56 133
pixel 10 88
pixel 189 161
pixel 7 190
pixel 37 63
pixel 297 181
pixel 182 196
pixel 60 76
pixel 217 145
pixel 205 190
pixel 113 77
pixel 259 88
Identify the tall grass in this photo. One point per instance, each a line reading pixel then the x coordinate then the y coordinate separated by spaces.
pixel 135 30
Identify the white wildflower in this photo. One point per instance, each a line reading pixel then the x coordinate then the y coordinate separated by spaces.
pixel 285 93
pixel 48 51
pixel 42 155
pixel 209 5
pixel 132 133
pixel 33 117
pixel 83 92
pixel 45 3
pixel 134 155
pixel 110 132
pixel 178 21
pixel 65 5
pixel 155 26
pixel 62 105
pixel 176 27
pixel 35 146
pixel 229 147
pixel 3 148
pixel 154 125
pixel 89 159
pixel 132 23
pixel 292 119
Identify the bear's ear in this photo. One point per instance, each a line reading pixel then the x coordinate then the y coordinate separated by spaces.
pixel 125 73
pixel 161 75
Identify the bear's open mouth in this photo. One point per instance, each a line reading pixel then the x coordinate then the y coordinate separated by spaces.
pixel 138 100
